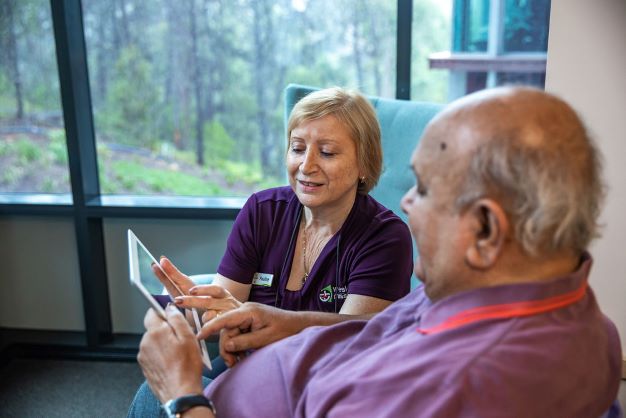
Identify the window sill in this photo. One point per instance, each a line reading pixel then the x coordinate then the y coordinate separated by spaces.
pixel 120 206
pixel 512 62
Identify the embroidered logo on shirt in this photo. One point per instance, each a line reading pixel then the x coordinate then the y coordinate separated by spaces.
pixel 326 294
pixel 262 279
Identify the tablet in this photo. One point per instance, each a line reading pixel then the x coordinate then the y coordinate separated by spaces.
pixel 140 263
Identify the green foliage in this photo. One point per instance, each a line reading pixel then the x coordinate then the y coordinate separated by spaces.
pixel 218 144
pixel 430 36
pixel 11 175
pixel 7 100
pixel 235 172
pixel 128 114
pixel 134 177
pixel 5 148
pixel 58 146
pixel 27 152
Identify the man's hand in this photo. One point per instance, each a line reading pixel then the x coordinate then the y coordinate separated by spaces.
pixel 169 356
pixel 251 326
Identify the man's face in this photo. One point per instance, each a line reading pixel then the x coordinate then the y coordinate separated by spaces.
pixel 438 229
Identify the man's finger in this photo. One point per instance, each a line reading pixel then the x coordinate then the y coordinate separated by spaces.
pixel 209 315
pixel 177 321
pixel 242 342
pixel 237 318
pixel 229 357
pixel 152 319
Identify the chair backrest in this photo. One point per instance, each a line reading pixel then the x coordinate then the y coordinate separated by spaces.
pixel 402 123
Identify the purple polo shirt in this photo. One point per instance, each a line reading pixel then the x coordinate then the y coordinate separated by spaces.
pixel 562 363
pixel 370 255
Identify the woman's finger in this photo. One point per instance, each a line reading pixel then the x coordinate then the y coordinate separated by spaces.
pixel 176 276
pixel 212 290
pixel 206 302
pixel 165 281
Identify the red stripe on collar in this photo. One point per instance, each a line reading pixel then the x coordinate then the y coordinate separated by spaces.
pixel 507 310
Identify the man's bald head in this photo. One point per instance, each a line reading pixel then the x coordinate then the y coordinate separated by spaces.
pixel 529 151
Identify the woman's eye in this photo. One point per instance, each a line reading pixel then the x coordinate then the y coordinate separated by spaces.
pixel 297 150
pixel 327 153
pixel 421 190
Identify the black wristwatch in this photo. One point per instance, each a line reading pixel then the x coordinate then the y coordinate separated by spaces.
pixel 174 408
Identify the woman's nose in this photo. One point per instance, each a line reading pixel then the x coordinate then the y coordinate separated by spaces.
pixel 309 162
pixel 407 200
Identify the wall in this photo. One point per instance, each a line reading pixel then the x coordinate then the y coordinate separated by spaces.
pixel 40 278
pixel 586 64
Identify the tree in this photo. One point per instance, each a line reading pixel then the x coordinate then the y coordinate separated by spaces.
pixel 9 45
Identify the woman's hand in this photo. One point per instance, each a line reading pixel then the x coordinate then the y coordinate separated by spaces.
pixel 177 280
pixel 212 298
pixel 169 355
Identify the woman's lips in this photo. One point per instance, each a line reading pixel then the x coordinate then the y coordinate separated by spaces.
pixel 308 185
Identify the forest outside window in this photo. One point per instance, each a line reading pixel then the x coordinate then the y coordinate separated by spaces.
pixel 187 95
pixel 33 151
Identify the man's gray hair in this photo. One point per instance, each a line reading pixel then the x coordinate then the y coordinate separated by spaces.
pixel 551 188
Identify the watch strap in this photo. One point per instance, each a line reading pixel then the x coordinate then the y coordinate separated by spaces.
pixel 177 406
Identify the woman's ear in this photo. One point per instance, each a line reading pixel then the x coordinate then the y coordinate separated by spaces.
pixel 490 229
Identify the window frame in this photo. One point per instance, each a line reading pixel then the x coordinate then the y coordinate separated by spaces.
pixel 88 207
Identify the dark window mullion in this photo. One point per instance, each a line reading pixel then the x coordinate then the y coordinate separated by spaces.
pixel 79 130
pixel 403 49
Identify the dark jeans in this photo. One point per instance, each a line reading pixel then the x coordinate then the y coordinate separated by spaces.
pixel 145 404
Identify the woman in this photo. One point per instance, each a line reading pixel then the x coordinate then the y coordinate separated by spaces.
pixel 321 243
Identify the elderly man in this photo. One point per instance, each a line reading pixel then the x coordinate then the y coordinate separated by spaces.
pixel 507 195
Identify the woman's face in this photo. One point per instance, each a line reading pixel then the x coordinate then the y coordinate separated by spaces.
pixel 322 163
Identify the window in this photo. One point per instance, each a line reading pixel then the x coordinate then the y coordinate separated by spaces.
pixel 494 43
pixel 187 95
pixel 33 152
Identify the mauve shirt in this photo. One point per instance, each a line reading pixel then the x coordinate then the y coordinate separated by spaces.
pixel 562 363
pixel 370 255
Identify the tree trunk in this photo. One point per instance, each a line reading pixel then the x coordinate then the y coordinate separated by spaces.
pixel 8 11
pixel 197 83
pixel 358 54
pixel 263 48
pixel 102 62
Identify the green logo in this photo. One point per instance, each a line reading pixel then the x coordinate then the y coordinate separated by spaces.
pixel 326 294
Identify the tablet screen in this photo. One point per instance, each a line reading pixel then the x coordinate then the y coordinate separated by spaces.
pixel 141 262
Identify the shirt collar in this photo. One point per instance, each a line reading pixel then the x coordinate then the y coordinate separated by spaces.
pixel 456 305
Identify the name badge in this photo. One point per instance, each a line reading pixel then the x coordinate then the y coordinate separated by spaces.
pixel 262 279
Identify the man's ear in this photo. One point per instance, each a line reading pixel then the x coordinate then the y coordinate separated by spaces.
pixel 490 229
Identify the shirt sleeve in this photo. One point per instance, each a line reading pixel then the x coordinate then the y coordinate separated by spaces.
pixel 382 264
pixel 241 257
